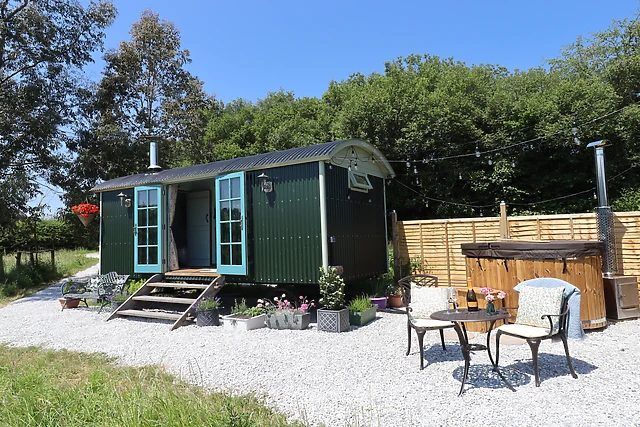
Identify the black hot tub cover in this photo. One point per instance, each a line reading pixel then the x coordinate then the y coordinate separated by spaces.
pixel 557 249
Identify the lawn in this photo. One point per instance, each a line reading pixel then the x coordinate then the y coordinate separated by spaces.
pixel 29 279
pixel 61 388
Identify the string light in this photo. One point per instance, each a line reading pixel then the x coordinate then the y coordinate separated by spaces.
pixel 490 162
pixel 408 164
pixel 459 175
pixel 417 181
pixel 427 203
pixel 415 170
pixel 477 150
pixel 513 163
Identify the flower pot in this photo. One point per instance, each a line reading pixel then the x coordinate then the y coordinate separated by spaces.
pixel 86 220
pixel 361 318
pixel 234 322
pixel 115 304
pixel 208 317
pixel 395 301
pixel 381 302
pixel 71 303
pixel 288 321
pixel 333 320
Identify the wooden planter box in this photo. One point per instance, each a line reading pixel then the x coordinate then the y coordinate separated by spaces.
pixel 288 321
pixel 361 318
pixel 333 320
pixel 235 323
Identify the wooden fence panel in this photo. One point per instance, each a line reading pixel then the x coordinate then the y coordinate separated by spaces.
pixel 436 243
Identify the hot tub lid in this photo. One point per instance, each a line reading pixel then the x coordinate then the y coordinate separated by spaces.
pixel 557 249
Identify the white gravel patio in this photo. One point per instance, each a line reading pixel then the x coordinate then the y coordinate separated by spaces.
pixel 361 377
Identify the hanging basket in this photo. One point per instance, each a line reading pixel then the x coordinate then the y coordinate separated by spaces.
pixel 86 220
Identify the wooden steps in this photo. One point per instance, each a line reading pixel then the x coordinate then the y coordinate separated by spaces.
pixel 181 285
pixel 172 300
pixel 143 303
pixel 150 314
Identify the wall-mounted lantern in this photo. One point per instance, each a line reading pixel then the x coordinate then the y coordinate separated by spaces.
pixel 124 200
pixel 265 184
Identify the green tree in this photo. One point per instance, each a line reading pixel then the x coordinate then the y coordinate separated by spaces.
pixel 145 92
pixel 43 45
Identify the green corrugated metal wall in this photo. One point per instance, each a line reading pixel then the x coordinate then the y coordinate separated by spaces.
pixel 357 222
pixel 117 234
pixel 285 244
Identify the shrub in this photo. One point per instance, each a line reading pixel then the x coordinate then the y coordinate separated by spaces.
pixel 360 304
pixel 331 289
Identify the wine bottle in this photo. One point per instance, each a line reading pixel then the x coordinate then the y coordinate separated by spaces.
pixel 472 299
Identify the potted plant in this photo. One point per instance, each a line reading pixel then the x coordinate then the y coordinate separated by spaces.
pixel 334 316
pixel 243 318
pixel 86 212
pixel 207 312
pixel 361 311
pixel 378 287
pixel 117 300
pixel 283 314
pixel 394 293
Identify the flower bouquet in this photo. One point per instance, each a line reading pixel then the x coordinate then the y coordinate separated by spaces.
pixel 86 212
pixel 488 293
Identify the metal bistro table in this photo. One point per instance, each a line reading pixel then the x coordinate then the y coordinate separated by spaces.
pixel 459 318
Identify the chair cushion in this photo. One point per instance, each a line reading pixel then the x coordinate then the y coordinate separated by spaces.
pixel 534 302
pixel 427 300
pixel 524 331
pixel 430 323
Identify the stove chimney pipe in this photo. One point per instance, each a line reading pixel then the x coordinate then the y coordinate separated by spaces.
pixel 604 214
pixel 153 155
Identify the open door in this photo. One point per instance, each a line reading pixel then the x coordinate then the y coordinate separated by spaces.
pixel 199 229
pixel 231 234
pixel 147 239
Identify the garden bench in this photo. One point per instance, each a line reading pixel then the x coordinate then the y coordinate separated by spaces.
pixel 99 288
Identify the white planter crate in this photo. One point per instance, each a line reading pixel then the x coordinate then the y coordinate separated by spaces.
pixel 234 323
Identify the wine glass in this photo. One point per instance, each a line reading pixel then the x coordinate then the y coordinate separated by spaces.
pixel 453 297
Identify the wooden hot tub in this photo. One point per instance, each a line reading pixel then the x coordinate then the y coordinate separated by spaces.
pixel 505 264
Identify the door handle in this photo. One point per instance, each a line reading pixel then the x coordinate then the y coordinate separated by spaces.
pixel 206 218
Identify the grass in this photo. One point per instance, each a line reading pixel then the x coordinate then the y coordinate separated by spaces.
pixel 61 388
pixel 29 279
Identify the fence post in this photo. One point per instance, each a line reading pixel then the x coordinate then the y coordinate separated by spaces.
pixel 504 221
pixel 396 255
pixel 2 265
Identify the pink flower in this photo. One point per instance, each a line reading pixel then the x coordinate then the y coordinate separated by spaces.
pixel 502 294
pixel 301 297
pixel 304 307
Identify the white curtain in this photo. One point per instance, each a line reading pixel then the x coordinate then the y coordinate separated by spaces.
pixel 173 249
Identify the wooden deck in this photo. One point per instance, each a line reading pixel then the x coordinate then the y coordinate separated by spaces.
pixel 193 272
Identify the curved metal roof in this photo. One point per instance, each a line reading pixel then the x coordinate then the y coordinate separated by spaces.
pixel 306 154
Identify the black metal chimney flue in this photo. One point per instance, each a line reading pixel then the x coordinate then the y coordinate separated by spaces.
pixel 604 214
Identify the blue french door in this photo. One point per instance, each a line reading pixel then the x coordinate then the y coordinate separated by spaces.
pixel 230 231
pixel 147 239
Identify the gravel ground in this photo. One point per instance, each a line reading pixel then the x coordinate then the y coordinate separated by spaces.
pixel 362 377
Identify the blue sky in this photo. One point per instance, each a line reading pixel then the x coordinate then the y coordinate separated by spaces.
pixel 246 49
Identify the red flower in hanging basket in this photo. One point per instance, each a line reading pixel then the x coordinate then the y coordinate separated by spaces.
pixel 85 209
